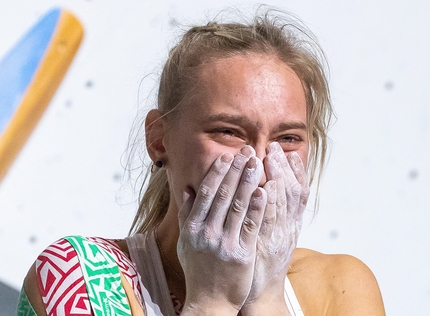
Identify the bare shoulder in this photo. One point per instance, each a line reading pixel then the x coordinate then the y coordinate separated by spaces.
pixel 122 244
pixel 32 291
pixel 334 284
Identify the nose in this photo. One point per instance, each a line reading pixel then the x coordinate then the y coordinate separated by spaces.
pixel 261 152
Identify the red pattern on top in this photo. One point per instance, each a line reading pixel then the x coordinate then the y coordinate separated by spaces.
pixel 61 282
pixel 177 305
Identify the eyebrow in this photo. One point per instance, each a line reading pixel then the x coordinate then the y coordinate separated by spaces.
pixel 291 125
pixel 242 120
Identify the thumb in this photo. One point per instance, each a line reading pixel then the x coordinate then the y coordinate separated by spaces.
pixel 187 204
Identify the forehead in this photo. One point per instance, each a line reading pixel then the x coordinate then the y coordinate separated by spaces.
pixel 253 82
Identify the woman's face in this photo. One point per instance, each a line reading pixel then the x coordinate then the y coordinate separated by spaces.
pixel 241 100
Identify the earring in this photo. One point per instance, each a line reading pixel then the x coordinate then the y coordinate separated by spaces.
pixel 156 165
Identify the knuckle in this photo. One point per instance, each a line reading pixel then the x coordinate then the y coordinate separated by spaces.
pixel 218 169
pixel 271 197
pixel 250 225
pixel 223 193
pixel 190 234
pixel 305 192
pixel 284 163
pixel 238 163
pixel 191 228
pixel 296 190
pixel 208 232
pixel 298 224
pixel 238 206
pixel 269 220
pixel 281 200
pixel 205 191
pixel 210 238
pixel 242 257
pixel 273 247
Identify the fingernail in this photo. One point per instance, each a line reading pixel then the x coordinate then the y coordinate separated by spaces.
pixel 258 193
pixel 185 196
pixel 274 146
pixel 227 158
pixel 272 185
pixel 257 196
pixel 252 163
pixel 247 151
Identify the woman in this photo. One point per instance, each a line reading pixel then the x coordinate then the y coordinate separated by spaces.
pixel 239 133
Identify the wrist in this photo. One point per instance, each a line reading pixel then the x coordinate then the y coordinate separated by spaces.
pixel 269 302
pixel 208 309
pixel 208 304
pixel 265 307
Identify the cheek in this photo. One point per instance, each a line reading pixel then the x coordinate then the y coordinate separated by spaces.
pixel 202 160
pixel 204 156
pixel 186 168
pixel 195 161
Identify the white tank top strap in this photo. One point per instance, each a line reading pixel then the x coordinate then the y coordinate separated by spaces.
pixel 155 291
pixel 291 299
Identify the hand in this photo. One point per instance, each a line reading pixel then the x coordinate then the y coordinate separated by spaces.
pixel 287 193
pixel 218 234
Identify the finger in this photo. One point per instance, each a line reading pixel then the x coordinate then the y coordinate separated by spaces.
pixel 298 168
pixel 293 188
pixel 274 172
pixel 269 217
pixel 227 188
pixel 184 211
pixel 249 181
pixel 300 173
pixel 208 189
pixel 288 173
pixel 253 218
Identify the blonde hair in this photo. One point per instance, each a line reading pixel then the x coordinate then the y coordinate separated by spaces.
pixel 271 32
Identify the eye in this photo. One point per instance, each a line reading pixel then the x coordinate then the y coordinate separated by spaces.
pixel 289 139
pixel 228 132
pixel 290 142
pixel 228 136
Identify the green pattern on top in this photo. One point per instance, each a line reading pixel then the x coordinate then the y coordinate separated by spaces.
pixel 24 305
pixel 102 278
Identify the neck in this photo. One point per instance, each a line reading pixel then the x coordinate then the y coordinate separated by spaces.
pixel 167 234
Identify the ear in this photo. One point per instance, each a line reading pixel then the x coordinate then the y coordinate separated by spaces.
pixel 155 132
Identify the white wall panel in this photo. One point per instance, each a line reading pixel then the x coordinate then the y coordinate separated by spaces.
pixel 375 195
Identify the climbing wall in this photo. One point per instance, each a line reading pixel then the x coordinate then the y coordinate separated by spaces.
pixel 69 177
